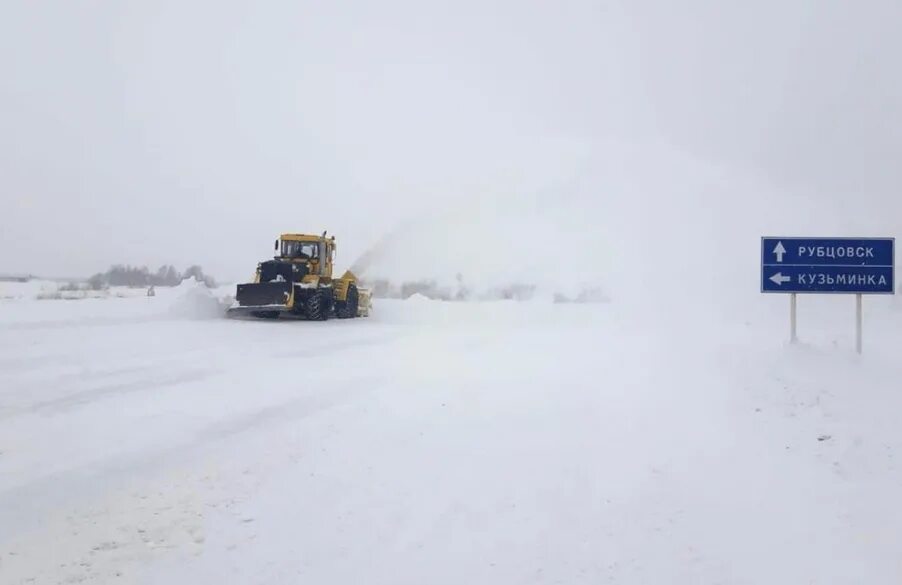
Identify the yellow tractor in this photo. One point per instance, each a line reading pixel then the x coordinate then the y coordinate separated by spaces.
pixel 298 282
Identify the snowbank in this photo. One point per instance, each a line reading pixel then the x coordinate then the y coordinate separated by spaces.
pixel 52 290
pixel 418 298
pixel 564 292
pixel 31 289
pixel 189 300
pixel 192 299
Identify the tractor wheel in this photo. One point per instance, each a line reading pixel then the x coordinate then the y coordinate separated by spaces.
pixel 317 307
pixel 347 309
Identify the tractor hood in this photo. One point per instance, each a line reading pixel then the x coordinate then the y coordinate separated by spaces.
pixel 276 270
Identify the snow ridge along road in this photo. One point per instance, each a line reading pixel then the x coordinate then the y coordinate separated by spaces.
pixel 438 442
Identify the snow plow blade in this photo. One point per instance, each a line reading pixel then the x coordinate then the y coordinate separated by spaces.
pixel 261 300
pixel 263 294
pixel 259 312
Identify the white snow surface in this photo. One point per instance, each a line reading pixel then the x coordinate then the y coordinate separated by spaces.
pixel 440 442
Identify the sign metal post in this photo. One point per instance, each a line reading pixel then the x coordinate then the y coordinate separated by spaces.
pixel 793 303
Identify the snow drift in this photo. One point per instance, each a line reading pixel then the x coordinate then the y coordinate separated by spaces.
pixel 192 299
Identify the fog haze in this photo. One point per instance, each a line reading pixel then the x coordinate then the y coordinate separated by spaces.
pixel 173 132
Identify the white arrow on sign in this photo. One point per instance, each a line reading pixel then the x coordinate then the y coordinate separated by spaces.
pixel 779 251
pixel 779 279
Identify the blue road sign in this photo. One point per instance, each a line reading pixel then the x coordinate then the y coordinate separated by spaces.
pixel 828 265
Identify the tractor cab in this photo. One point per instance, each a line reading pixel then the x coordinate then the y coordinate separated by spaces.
pixel 316 252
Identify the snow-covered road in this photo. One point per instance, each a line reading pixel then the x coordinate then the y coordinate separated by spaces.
pixel 449 443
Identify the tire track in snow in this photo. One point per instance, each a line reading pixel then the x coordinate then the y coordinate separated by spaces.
pixel 87 322
pixel 91 395
pixel 25 505
pixel 333 348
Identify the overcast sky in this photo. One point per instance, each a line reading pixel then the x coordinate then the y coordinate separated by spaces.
pixel 194 131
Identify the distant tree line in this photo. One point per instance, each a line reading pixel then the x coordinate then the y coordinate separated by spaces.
pixel 140 276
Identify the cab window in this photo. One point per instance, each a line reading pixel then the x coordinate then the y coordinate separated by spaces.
pixel 299 249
